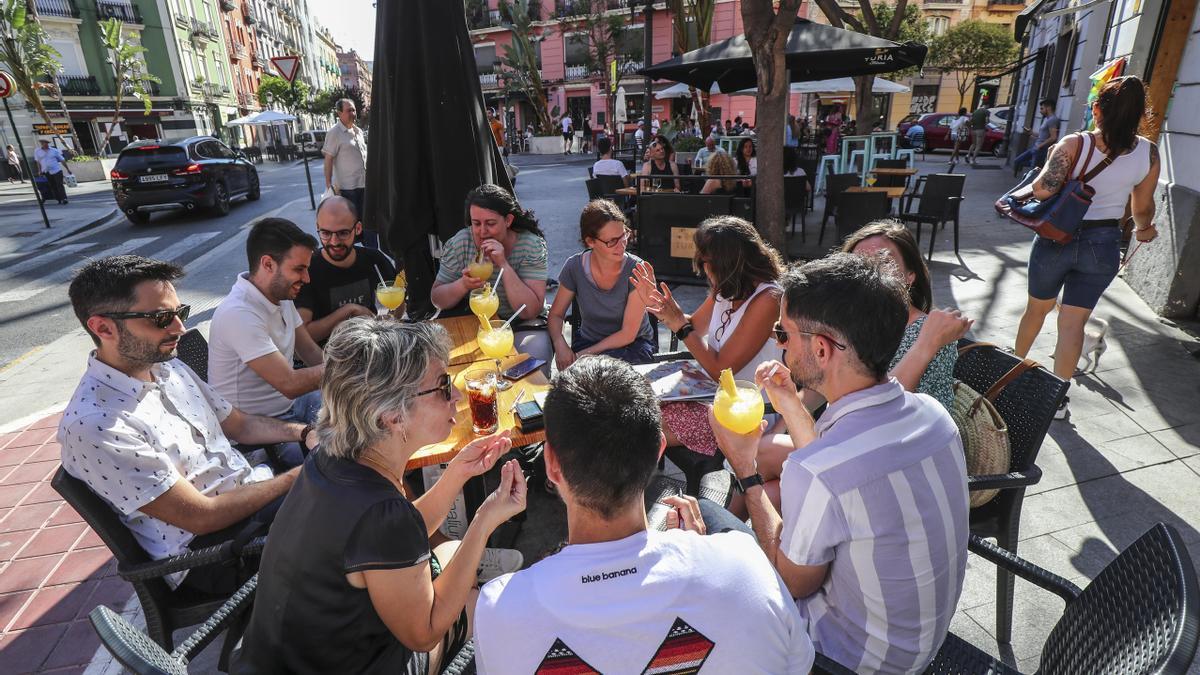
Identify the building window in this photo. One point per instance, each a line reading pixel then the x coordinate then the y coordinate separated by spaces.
pixel 938 25
pixel 485 59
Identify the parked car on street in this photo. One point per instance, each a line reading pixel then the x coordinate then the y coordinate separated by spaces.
pixel 311 142
pixel 937 133
pixel 183 175
pixel 999 116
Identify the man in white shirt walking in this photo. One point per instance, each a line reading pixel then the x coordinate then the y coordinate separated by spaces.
pixel 619 598
pixel 256 331
pixel 345 153
pixel 568 132
pixel 51 163
pixel 150 437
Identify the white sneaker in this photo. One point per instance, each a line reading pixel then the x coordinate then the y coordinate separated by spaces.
pixel 498 561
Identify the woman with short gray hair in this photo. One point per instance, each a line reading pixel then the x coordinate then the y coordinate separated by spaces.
pixel 348 582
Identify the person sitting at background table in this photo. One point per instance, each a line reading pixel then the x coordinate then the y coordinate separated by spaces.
pixel 660 161
pixel 731 328
pixel 510 238
pixel 606 165
pixel 747 160
pixel 597 280
pixel 703 155
pixel 721 164
pixel 347 581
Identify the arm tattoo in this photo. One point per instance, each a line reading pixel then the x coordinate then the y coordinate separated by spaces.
pixel 1057 171
pixel 1153 155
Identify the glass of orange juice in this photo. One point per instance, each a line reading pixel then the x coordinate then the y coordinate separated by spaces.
pixel 481 268
pixel 390 295
pixel 496 342
pixel 738 405
pixel 485 302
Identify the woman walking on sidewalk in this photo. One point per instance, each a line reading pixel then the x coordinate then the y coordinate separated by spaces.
pixel 1082 268
pixel 14 165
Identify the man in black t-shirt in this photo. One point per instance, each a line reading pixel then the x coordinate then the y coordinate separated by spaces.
pixel 344 276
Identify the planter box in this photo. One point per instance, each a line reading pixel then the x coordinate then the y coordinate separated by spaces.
pixel 546 145
pixel 92 171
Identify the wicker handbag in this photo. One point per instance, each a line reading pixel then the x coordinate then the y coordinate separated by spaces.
pixel 984 432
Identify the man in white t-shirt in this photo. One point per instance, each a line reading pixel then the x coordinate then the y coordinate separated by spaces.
pixel 606 165
pixel 618 598
pixel 568 132
pixel 256 331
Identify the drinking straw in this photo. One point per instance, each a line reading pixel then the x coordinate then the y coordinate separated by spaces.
pixel 497 284
pixel 511 318
pixel 381 279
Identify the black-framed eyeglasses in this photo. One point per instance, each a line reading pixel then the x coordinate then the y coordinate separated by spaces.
pixel 161 318
pixel 445 385
pixel 781 336
pixel 326 235
pixel 612 243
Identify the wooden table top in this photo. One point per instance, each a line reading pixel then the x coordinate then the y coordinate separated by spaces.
pixel 462 330
pixel 892 192
pixel 626 192
pixel 894 172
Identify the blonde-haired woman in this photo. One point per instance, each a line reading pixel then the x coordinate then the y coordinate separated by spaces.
pixel 721 164
pixel 348 582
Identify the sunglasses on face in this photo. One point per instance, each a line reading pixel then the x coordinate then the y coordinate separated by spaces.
pixel 161 319
pixel 445 385
pixel 781 336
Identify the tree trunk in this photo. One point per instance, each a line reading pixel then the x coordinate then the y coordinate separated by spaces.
pixel 63 105
pixel 863 85
pixel 116 116
pixel 767 32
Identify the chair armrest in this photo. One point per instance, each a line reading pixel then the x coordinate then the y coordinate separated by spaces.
pixel 1023 568
pixel 1002 481
pixel 185 561
pixel 241 601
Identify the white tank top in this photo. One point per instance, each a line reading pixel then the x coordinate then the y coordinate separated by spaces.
pixel 717 337
pixel 1116 182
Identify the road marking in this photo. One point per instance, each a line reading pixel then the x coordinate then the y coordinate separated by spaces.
pixel 39 260
pixel 63 273
pixel 174 251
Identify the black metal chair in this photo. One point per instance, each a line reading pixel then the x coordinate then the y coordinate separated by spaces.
pixel 891 181
pixel 166 609
pixel 1027 405
pixel 940 196
pixel 835 185
pixel 863 208
pixel 609 186
pixel 193 351
pixel 795 201
pixel 593 188
pixel 1141 614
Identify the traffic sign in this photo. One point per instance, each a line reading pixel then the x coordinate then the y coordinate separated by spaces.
pixel 287 66
pixel 8 86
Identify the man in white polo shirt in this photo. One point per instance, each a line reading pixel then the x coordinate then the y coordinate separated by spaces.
pixel 256 331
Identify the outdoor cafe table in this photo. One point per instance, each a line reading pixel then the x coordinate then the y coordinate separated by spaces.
pixel 894 172
pixel 892 192
pixel 533 384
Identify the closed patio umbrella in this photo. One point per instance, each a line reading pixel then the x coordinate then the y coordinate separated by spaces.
pixel 429 142
pixel 813 52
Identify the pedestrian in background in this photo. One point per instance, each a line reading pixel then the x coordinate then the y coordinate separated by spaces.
pixel 979 122
pixel 345 153
pixel 51 164
pixel 1047 136
pixel 14 165
pixel 960 127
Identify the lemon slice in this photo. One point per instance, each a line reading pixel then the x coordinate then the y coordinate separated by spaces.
pixel 727 383
pixel 401 278
pixel 484 324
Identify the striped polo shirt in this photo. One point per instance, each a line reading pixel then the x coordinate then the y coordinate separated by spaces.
pixel 528 259
pixel 880 495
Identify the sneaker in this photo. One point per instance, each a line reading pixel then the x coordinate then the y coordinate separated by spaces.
pixel 498 561
pixel 1061 413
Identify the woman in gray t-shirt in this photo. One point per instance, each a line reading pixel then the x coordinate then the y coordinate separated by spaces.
pixel 613 318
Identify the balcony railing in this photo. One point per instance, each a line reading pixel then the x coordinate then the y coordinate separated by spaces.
pixel 251 14
pixel 203 29
pixel 246 100
pixel 150 88
pixel 122 11
pixel 1008 3
pixel 237 50
pixel 568 8
pixel 488 80
pixel 77 85
pixel 483 18
pixel 58 8
pixel 261 62
pixel 577 72
pixel 535 11
pixel 228 5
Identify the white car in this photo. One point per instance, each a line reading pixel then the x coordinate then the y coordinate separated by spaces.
pixel 999 116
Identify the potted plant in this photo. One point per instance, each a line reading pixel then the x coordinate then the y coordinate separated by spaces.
pixel 686 148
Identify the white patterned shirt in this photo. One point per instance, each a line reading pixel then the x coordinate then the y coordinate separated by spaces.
pixel 130 440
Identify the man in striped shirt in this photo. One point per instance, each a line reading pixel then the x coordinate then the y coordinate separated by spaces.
pixel 873 537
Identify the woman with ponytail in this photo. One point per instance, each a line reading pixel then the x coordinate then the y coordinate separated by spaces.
pixel 1082 268
pixel 508 236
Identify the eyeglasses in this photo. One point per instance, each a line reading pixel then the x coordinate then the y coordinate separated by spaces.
pixel 781 336
pixel 445 385
pixel 612 243
pixel 326 235
pixel 161 319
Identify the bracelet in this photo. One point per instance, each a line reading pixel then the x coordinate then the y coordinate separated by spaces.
pixel 304 435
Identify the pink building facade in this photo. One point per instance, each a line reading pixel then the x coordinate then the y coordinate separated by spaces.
pixel 569 85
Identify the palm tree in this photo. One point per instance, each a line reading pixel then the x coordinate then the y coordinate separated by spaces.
pixel 25 49
pixel 125 56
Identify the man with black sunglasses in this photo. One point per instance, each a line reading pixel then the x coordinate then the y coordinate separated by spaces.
pixel 151 438
pixel 343 275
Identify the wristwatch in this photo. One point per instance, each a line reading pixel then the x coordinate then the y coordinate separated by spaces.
pixel 684 331
pixel 748 482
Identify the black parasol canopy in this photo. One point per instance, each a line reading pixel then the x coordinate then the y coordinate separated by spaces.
pixel 429 141
pixel 814 52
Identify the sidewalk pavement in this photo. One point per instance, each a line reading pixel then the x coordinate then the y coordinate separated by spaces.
pixel 22 228
pixel 1127 457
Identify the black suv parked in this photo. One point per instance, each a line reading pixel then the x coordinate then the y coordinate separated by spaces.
pixel 201 171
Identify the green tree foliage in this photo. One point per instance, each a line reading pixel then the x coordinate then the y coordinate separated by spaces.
pixel 520 71
pixel 970 47
pixel 606 36
pixel 324 103
pixel 125 54
pixel 25 50
pixel 276 92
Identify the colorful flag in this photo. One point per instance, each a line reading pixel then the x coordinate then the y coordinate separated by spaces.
pixel 1099 79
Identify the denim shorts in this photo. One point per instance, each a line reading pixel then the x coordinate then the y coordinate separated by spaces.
pixel 1081 268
